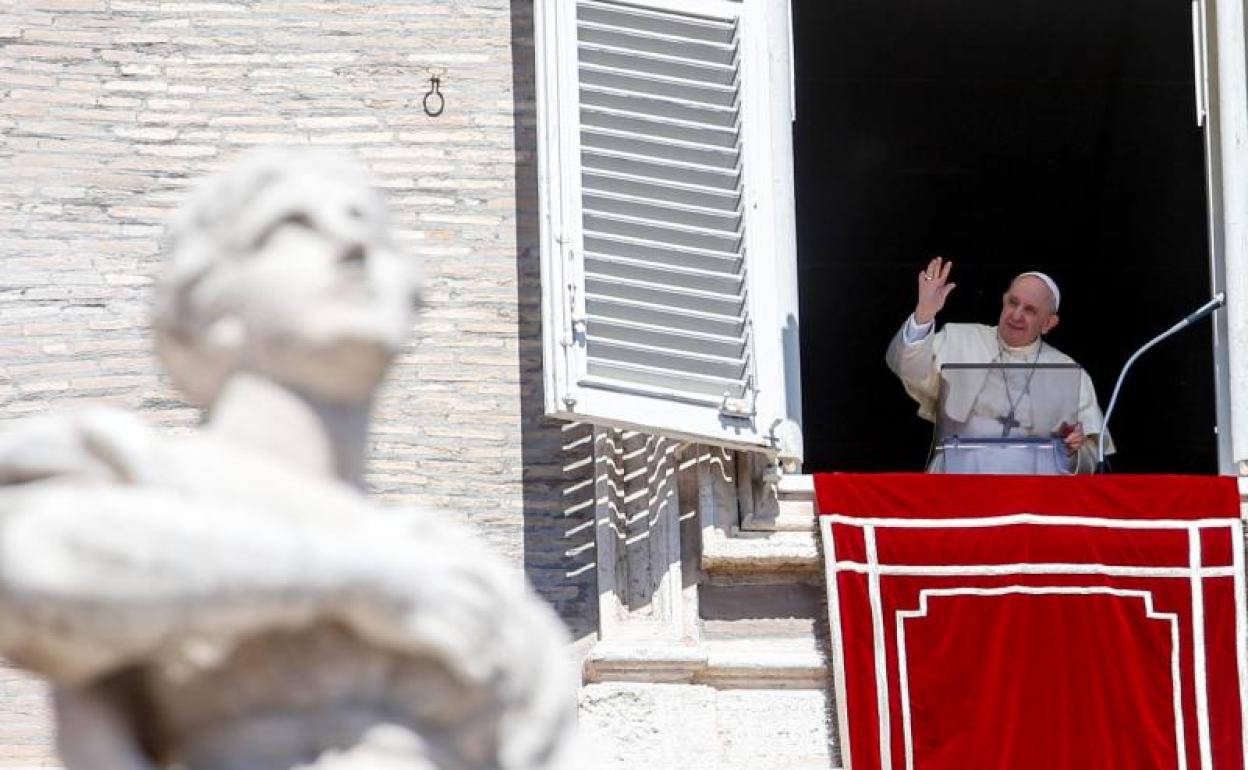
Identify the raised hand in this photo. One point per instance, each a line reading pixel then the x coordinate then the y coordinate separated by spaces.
pixel 934 288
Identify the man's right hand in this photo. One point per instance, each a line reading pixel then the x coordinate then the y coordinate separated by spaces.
pixel 934 288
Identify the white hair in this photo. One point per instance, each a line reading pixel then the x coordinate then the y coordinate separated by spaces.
pixel 1052 284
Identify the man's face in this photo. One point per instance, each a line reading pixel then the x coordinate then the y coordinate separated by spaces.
pixel 1026 312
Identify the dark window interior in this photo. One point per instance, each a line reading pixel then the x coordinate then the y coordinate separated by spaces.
pixel 1056 135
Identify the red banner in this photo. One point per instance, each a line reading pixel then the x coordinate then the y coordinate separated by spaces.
pixel 1071 623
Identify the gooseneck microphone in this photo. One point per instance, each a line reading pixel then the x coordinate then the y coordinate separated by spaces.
pixel 1200 313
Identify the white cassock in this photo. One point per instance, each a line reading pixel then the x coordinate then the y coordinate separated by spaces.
pixel 992 402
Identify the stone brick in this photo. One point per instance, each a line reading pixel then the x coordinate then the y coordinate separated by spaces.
pixel 145 134
pixel 337 122
pixel 44 100
pixel 64 5
pixel 48 51
pixel 66 36
pixel 180 150
pixel 137 86
pixel 253 137
pixel 31 79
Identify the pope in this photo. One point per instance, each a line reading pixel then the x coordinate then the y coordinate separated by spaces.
pixel 1001 404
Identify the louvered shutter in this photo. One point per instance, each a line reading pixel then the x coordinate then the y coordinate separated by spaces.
pixel 665 269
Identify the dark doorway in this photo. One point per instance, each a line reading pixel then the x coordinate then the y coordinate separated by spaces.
pixel 1056 135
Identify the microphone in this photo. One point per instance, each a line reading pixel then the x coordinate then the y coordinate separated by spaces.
pixel 1201 312
pixel 1218 301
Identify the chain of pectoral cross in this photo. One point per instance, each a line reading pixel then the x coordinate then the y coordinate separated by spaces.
pixel 1008 421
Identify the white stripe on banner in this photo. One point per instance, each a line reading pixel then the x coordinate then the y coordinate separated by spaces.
pixel 1025 518
pixel 1176 680
pixel 881 655
pixel 1198 648
pixel 1241 627
pixel 1037 568
pixel 838 639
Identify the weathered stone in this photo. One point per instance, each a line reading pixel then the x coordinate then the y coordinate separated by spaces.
pixel 227 598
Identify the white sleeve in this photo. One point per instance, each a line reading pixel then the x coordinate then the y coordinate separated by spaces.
pixel 914 361
pixel 916 332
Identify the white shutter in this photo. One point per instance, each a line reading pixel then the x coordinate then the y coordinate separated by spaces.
pixel 658 190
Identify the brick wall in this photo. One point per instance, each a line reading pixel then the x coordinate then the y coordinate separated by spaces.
pixel 109 108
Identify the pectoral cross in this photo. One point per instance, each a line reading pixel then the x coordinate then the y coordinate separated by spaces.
pixel 1008 423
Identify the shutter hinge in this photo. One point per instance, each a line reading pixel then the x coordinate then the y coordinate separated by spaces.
pixel 744 405
pixel 785 436
pixel 576 319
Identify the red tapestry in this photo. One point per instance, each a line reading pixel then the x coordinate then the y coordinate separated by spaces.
pixel 1054 623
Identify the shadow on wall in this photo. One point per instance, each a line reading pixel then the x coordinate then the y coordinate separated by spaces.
pixel 557 456
pixel 648 489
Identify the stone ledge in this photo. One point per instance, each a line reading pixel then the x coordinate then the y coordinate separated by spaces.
pixel 781 551
pixel 800 486
pixel 767 664
pixel 796 663
pixel 674 663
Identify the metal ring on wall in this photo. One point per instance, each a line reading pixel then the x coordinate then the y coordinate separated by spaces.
pixel 434 102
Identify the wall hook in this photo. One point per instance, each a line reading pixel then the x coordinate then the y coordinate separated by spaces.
pixel 434 102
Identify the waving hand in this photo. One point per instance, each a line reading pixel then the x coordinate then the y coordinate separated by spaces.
pixel 934 289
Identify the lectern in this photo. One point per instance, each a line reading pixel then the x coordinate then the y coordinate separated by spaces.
pixel 1005 418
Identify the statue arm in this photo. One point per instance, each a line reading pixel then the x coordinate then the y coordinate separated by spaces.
pixel 98 578
pixel 91 445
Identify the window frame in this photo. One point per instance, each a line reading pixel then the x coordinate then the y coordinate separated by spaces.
pixel 1222 92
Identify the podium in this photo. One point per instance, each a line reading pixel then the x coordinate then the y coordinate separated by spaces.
pixel 1026 455
pixel 1005 418
pixel 1036 622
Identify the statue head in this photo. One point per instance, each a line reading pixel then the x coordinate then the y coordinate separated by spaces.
pixel 283 266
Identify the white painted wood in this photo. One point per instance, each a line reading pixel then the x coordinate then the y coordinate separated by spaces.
pixel 1227 152
pixel 1207 30
pixel 776 297
pixel 558 159
pixel 669 267
pixel 1200 81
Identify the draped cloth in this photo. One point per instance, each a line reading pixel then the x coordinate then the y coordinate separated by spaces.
pixel 1028 623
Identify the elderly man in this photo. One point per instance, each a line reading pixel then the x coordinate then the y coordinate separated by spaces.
pixel 1004 402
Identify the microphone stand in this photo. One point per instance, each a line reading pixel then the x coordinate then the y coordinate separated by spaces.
pixel 1206 309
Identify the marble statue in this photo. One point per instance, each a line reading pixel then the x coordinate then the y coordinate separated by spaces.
pixel 229 599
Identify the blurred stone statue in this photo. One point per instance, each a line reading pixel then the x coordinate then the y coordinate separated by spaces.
pixel 229 600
